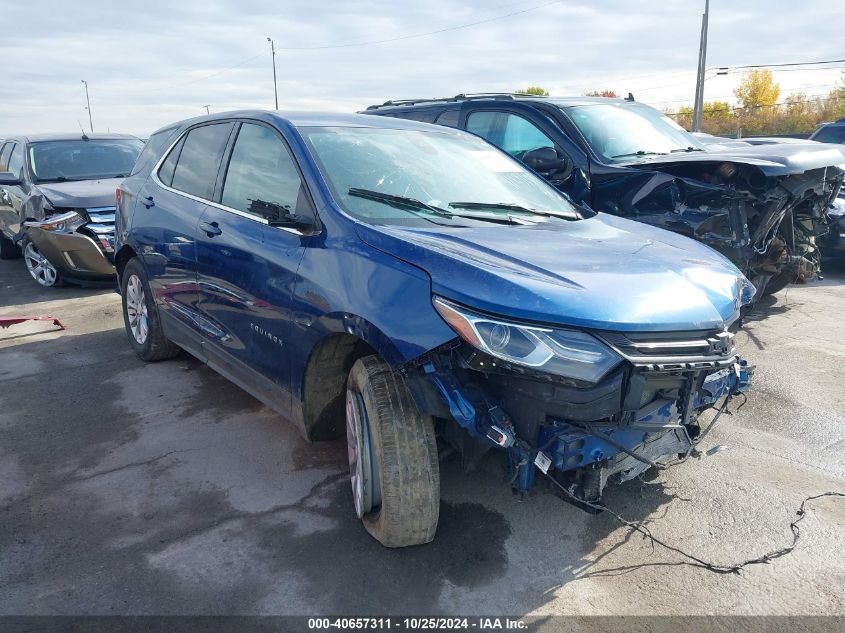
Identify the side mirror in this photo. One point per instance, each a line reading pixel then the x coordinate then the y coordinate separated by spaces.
pixel 279 215
pixel 9 179
pixel 547 162
pixel 291 221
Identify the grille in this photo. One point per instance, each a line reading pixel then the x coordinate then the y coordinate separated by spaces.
pixel 100 220
pixel 674 350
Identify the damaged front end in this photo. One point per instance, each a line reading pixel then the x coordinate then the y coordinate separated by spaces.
pixel 584 407
pixel 764 213
pixel 78 242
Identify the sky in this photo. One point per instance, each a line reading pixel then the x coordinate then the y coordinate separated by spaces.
pixel 150 63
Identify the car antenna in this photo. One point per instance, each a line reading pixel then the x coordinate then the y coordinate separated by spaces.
pixel 630 97
pixel 84 135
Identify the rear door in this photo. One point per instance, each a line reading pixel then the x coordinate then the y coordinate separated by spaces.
pixel 246 268
pixel 167 213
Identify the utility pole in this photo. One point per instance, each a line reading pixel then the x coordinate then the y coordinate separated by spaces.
pixel 702 62
pixel 88 107
pixel 275 86
pixel 207 106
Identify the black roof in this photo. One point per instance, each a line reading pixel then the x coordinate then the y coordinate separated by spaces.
pixel 494 96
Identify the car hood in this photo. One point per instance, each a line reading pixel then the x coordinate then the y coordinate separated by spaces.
pixel 604 273
pixel 80 193
pixel 775 159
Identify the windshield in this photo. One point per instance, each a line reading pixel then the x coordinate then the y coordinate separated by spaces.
pixel 416 177
pixel 623 132
pixel 57 161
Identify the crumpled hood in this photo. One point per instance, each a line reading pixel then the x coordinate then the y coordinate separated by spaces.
pixel 776 159
pixel 81 193
pixel 603 272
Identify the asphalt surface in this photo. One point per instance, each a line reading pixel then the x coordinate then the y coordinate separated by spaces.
pixel 133 488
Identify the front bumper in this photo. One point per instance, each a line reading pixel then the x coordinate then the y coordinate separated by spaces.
pixel 84 254
pixel 582 435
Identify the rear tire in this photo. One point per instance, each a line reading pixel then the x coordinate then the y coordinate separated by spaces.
pixel 8 249
pixel 140 315
pixel 398 500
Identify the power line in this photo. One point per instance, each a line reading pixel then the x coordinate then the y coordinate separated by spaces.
pixel 365 43
pixel 418 35
pixel 827 61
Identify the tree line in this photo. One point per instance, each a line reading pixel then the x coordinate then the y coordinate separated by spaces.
pixel 760 111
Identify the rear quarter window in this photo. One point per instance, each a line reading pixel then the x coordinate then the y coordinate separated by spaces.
pixel 153 150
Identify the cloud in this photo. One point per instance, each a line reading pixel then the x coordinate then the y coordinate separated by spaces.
pixel 151 63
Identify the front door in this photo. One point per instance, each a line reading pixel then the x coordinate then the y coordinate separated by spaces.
pixel 246 268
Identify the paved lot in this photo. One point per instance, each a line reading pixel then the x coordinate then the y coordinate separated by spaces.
pixel 129 488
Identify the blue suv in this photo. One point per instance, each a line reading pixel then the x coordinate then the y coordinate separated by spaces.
pixel 408 285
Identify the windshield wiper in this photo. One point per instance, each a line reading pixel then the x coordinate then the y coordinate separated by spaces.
pixel 400 202
pixel 415 206
pixel 510 206
pixel 687 149
pixel 639 153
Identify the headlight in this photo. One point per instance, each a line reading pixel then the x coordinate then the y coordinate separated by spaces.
pixel 566 353
pixel 67 222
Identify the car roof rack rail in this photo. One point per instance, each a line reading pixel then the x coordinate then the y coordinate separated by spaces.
pixel 468 96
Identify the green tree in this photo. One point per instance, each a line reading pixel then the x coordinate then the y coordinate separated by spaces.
pixel 534 90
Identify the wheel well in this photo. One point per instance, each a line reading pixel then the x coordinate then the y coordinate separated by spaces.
pixel 122 258
pixel 324 388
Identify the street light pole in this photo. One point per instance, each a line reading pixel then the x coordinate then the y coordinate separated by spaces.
pixel 207 111
pixel 275 86
pixel 702 62
pixel 88 101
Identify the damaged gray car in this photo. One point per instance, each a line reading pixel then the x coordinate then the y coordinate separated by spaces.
pixel 57 202
pixel 762 206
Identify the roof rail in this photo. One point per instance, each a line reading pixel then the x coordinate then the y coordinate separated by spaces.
pixel 461 97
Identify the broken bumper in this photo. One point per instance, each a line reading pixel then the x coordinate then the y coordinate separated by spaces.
pixel 84 254
pixel 583 435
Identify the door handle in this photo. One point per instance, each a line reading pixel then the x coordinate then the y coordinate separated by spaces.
pixel 211 228
pixel 148 202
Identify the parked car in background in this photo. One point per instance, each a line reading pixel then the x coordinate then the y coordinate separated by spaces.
pixel 57 203
pixel 761 206
pixel 830 132
pixel 406 284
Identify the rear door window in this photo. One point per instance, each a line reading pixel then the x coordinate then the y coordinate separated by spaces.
pixel 511 132
pixel 199 161
pixel 262 178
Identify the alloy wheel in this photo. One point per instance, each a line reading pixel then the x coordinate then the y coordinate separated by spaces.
pixel 38 266
pixel 365 490
pixel 136 309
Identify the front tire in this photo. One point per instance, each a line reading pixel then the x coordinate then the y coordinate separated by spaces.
pixel 140 316
pixel 392 457
pixel 40 268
